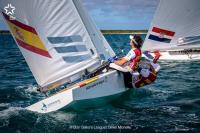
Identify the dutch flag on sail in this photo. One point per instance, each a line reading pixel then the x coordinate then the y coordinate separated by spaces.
pixel 161 35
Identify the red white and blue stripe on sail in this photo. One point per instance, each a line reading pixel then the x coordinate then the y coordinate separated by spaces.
pixel 161 35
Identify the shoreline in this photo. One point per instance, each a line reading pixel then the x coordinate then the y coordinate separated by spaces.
pixel 6 32
pixel 124 31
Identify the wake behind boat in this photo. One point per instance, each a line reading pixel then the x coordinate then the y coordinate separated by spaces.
pixel 175 30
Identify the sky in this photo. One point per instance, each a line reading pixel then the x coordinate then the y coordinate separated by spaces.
pixel 118 14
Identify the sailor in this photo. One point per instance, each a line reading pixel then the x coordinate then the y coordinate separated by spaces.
pixel 148 75
pixel 136 76
pixel 132 59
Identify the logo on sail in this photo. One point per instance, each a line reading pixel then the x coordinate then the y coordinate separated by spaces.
pixel 27 37
pixel 161 35
pixel 9 9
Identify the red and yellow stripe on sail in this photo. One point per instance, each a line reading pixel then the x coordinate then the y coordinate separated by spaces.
pixel 27 37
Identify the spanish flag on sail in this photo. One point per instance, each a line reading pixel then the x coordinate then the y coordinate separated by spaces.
pixel 27 37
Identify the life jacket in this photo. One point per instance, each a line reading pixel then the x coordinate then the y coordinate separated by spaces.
pixel 134 63
pixel 146 80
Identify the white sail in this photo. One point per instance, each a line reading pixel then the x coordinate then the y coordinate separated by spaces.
pixel 55 37
pixel 101 45
pixel 176 25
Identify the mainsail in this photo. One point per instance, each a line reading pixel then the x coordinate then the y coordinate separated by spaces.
pixel 57 38
pixel 176 25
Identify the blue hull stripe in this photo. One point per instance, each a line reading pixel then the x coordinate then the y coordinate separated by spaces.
pixel 156 38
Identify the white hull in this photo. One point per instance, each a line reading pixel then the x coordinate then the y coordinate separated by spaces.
pixel 107 84
pixel 168 55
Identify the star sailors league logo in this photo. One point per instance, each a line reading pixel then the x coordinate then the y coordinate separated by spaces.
pixel 9 10
pixel 161 35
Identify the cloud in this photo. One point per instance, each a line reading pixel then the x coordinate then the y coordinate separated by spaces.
pixel 122 7
pixel 122 14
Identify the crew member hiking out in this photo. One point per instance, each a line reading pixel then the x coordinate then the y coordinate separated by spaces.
pixel 148 75
pixel 148 71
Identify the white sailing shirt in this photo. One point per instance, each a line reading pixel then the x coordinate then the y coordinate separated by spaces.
pixel 131 55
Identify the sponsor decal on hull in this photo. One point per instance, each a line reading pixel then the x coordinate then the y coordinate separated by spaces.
pixel 46 106
pixel 97 83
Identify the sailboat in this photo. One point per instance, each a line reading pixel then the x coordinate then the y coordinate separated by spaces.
pixel 61 46
pixel 175 30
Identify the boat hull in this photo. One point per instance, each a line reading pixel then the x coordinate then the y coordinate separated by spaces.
pixel 179 55
pixel 82 105
pixel 87 93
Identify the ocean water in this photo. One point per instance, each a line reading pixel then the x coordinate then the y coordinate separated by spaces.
pixel 170 105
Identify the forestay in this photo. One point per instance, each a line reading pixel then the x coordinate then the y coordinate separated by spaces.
pixel 176 25
pixel 57 38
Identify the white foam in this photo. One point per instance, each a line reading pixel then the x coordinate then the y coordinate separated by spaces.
pixel 62 116
pixel 29 91
pixel 171 109
pixel 4 104
pixel 4 114
pixel 31 88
